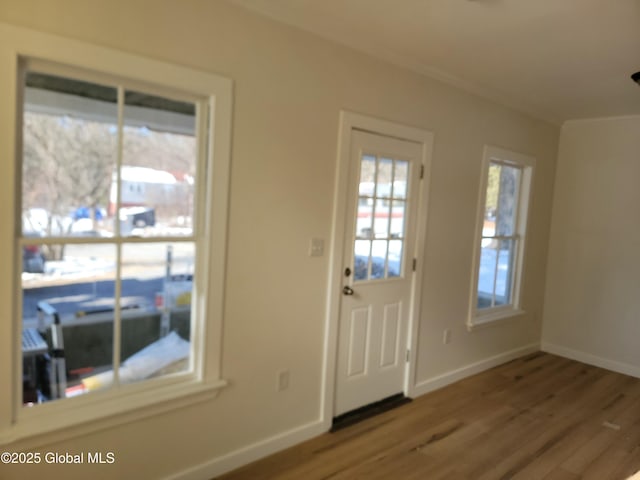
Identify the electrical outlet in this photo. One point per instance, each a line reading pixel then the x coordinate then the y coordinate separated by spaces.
pixel 446 336
pixel 283 380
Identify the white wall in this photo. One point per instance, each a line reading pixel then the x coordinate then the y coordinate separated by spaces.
pixel 592 308
pixel 289 89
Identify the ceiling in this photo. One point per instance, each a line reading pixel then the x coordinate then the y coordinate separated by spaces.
pixel 555 59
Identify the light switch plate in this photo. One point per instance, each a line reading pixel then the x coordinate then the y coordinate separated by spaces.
pixel 316 247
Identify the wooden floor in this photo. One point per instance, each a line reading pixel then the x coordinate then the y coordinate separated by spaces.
pixel 538 417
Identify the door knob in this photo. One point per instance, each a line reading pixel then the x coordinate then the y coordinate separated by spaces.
pixel 347 290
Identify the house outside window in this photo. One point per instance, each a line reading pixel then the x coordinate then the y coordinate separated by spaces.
pixel 501 234
pixel 121 187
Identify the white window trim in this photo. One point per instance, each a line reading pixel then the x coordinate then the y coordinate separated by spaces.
pixel 89 412
pixel 479 318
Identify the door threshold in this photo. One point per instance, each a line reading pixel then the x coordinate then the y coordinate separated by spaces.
pixel 362 413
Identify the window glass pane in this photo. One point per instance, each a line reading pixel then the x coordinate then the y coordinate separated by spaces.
pixel 507 200
pixel 395 258
pixel 491 200
pixel 397 219
pixel 158 277
pixel 152 271
pixel 158 167
pixel 69 154
pixel 503 278
pixel 378 258
pixel 361 259
pixel 400 177
pixel 75 284
pixel 487 274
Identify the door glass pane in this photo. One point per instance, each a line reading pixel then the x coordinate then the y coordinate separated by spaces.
pixel 395 258
pixel 400 178
pixel 381 221
pixel 364 227
pixel 73 283
pixel 378 258
pixel 367 176
pixel 487 274
pixel 69 154
pixel 157 183
pixel 155 337
pixel 361 254
pixel 397 219
pixel 384 178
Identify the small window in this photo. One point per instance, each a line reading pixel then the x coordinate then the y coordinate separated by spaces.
pixel 502 220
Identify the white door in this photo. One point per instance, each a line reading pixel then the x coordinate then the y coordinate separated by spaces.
pixel 377 271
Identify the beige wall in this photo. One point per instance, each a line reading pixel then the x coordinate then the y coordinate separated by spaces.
pixel 592 302
pixel 289 89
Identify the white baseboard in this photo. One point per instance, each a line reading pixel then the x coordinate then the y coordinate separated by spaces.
pixel 619 367
pixel 445 379
pixel 250 453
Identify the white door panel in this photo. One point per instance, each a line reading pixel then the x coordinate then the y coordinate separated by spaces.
pixel 391 324
pixel 377 281
pixel 358 345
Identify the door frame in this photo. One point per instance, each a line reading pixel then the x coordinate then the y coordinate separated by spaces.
pixel 349 122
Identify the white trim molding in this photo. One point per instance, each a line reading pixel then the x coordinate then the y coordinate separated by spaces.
pixel 350 121
pixel 590 359
pixel 453 376
pixel 526 164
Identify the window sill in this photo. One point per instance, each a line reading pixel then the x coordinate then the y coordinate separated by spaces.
pixel 59 421
pixel 495 318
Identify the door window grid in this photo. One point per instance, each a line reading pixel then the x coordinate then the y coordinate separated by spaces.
pixel 379 236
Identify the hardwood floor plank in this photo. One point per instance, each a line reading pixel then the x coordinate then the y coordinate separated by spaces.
pixel 561 474
pixel 582 459
pixel 539 417
pixel 620 456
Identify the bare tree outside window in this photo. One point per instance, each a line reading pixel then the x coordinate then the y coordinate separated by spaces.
pixel 67 164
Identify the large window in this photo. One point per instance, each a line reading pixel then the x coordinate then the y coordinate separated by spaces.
pixel 110 176
pixel 502 220
pixel 120 219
